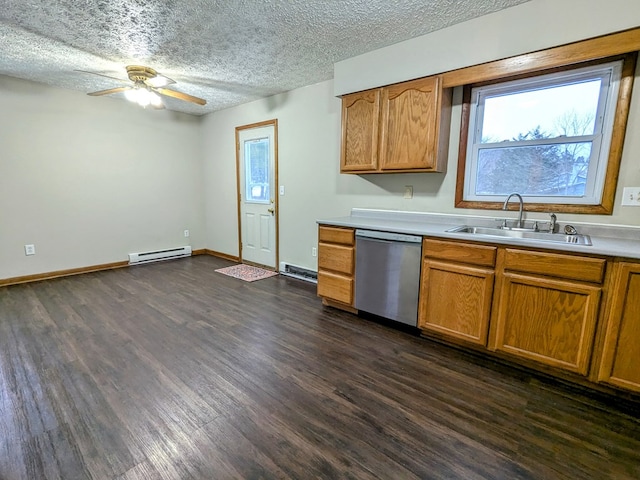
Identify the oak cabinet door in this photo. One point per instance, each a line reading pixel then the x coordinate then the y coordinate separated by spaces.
pixel 620 364
pixel 409 125
pixel 360 120
pixel 551 321
pixel 455 300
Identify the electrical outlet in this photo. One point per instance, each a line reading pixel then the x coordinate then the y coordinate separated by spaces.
pixel 29 249
pixel 631 196
pixel 314 251
pixel 186 233
pixel 408 191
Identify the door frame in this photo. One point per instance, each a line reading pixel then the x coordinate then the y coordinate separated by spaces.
pixel 266 123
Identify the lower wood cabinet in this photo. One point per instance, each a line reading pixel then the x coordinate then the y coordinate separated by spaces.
pixel 547 308
pixel 620 365
pixel 538 306
pixel 456 289
pixel 336 264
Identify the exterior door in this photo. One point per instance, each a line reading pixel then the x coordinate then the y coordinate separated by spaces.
pixel 257 196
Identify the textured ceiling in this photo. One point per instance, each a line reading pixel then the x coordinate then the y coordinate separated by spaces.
pixel 226 51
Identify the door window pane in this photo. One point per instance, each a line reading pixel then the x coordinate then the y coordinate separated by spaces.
pixel 256 158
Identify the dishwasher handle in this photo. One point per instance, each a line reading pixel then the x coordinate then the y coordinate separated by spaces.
pixel 388 236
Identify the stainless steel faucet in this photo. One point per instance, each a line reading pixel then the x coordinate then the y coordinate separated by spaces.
pixel 506 205
pixel 552 223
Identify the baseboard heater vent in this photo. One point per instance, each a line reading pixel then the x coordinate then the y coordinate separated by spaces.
pixel 298 272
pixel 157 255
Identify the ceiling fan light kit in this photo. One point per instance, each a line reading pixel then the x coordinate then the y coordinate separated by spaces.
pixel 147 88
pixel 143 96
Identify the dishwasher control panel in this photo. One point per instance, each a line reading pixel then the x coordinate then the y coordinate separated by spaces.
pixel 392 237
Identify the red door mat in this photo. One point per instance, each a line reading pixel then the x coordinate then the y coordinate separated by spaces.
pixel 247 273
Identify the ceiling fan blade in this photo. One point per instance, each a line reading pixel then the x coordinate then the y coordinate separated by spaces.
pixel 180 96
pixel 101 75
pixel 109 91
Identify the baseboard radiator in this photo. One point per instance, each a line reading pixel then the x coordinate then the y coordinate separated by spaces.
pixel 158 255
pixel 298 272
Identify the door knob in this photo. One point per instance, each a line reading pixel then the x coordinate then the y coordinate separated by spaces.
pixel 271 210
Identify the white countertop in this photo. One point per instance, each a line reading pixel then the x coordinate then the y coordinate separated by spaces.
pixel 615 241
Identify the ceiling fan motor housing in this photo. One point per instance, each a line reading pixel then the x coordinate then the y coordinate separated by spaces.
pixel 139 73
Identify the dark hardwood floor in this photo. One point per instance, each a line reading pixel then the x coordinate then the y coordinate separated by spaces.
pixel 174 371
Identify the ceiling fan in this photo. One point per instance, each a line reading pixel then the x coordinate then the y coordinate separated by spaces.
pixel 147 87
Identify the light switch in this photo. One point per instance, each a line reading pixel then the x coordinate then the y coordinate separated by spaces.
pixel 281 189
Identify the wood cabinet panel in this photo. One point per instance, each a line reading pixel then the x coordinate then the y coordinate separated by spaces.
pixel 483 255
pixel 338 258
pixel 620 364
pixel 360 119
pixel 345 236
pixel 335 287
pixel 398 128
pixel 455 300
pixel 546 320
pixel 336 264
pixel 408 126
pixel 571 267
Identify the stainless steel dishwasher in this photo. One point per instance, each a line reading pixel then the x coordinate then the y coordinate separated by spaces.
pixel 388 274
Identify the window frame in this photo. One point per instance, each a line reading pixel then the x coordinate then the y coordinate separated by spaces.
pixel 605 204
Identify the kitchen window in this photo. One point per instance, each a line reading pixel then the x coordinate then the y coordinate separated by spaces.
pixel 547 137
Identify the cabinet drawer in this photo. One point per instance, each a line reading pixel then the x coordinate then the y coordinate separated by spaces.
pixel 467 253
pixel 336 287
pixel 338 258
pixel 571 267
pixel 343 236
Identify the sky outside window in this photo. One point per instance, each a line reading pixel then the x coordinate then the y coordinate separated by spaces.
pixel 507 116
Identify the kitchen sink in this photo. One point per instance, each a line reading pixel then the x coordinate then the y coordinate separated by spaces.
pixel 576 239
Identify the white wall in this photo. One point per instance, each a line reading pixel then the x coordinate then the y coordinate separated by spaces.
pixel 89 180
pixel 308 139
pixel 309 136
pixel 528 27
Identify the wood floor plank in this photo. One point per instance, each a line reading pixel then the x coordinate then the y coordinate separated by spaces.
pixel 175 371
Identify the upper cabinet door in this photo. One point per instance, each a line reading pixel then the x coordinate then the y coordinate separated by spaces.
pixel 360 118
pixel 408 130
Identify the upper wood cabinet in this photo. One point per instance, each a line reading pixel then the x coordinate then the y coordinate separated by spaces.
pixel 397 128
pixel 360 118
pixel 620 365
pixel 547 308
